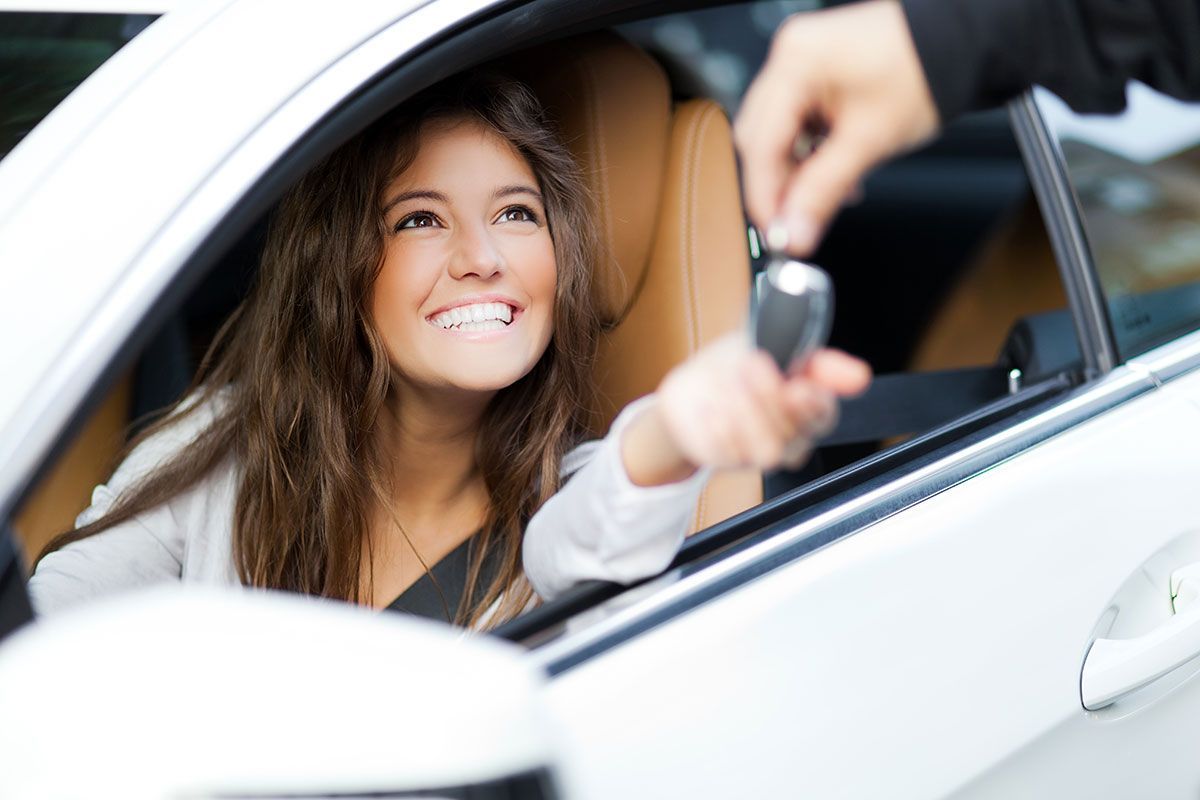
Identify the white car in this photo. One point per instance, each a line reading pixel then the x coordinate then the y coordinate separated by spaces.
pixel 982 587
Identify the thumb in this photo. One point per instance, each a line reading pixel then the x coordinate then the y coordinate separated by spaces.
pixel 820 185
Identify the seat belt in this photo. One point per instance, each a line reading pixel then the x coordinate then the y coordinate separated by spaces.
pixel 901 403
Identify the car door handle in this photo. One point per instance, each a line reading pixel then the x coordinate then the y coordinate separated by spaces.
pixel 1116 667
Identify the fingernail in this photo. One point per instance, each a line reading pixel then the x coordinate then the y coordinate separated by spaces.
pixel 801 234
pixel 777 236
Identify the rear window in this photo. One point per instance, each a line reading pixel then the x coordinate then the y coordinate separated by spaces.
pixel 44 56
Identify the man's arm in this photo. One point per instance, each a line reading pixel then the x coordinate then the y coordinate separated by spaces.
pixel 981 53
pixel 881 76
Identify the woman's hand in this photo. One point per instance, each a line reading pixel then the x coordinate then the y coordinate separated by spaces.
pixel 729 406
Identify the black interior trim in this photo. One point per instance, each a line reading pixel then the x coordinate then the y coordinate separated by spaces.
pixel 15 609
pixel 1060 210
pixel 536 784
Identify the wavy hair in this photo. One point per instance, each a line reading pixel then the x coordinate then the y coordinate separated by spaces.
pixel 303 375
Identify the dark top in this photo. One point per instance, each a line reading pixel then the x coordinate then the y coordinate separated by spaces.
pixel 423 598
pixel 981 53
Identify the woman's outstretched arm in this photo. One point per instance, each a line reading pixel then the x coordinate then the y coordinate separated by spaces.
pixel 623 515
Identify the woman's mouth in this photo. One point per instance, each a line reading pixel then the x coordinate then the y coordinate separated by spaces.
pixel 476 317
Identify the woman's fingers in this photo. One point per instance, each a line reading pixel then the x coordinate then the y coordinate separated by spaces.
pixel 841 373
pixel 730 406
pixel 811 407
pixel 765 383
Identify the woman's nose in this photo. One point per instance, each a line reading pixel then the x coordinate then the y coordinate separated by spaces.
pixel 476 254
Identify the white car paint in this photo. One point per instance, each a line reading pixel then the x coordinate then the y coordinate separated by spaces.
pixel 191 691
pixel 936 653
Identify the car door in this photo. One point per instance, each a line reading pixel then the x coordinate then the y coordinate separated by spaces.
pixel 994 620
pixel 913 625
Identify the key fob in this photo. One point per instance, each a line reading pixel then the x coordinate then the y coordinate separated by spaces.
pixel 795 312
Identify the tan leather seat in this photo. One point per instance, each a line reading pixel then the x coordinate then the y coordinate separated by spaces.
pixel 666 185
pixel 67 488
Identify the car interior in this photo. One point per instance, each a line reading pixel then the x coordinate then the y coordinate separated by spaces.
pixel 945 279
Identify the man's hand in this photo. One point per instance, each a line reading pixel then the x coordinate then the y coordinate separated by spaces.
pixel 853 74
pixel 729 406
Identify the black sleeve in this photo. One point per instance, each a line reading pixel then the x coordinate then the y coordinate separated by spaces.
pixel 981 53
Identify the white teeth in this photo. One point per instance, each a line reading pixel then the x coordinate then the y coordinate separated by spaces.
pixel 486 325
pixel 464 317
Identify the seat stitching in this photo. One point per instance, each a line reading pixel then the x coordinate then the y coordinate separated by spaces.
pixel 685 249
pixel 693 211
pixel 688 251
pixel 599 154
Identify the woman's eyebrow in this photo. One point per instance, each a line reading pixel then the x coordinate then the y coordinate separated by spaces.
pixel 517 188
pixel 416 194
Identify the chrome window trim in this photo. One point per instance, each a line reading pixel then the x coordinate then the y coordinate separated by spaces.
pixel 675 593
pixel 1064 224
pixel 1172 360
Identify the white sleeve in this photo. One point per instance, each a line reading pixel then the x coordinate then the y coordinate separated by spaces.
pixel 602 526
pixel 144 550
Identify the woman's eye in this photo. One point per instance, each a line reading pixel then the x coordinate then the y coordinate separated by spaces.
pixel 418 219
pixel 519 214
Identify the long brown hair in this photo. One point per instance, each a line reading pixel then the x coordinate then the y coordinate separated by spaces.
pixel 298 376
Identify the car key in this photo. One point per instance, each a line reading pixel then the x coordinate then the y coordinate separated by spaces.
pixel 795 310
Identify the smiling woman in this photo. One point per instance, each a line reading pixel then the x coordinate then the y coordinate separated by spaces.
pixel 390 416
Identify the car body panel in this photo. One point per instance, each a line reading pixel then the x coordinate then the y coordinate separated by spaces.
pixel 921 655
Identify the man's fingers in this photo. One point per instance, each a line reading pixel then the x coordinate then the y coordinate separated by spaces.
pixel 771 116
pixel 821 184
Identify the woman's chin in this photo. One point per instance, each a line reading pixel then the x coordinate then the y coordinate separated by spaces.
pixel 487 382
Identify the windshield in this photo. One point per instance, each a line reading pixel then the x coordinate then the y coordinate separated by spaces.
pixel 44 56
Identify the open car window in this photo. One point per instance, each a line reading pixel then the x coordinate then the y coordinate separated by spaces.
pixel 945 280
pixel 945 283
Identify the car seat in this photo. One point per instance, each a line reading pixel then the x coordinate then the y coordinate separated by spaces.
pixel 665 182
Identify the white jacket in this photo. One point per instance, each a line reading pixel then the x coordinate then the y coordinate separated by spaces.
pixel 598 526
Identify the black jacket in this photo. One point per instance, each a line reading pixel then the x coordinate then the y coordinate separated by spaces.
pixel 980 53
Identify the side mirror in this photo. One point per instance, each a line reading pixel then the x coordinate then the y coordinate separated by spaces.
pixel 188 692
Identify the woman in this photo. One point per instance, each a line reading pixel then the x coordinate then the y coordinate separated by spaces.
pixel 405 384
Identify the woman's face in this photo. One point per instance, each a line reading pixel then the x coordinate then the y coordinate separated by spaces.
pixel 465 298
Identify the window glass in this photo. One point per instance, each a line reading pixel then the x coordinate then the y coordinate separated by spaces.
pixel 1137 179
pixel 43 57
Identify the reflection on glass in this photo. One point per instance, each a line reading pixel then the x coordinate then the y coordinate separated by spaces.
pixel 44 56
pixel 1137 179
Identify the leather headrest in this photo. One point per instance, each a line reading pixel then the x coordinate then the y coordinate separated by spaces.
pixel 612 104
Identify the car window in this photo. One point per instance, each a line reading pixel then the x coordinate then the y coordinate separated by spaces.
pixel 1137 180
pixel 944 276
pixel 44 56
pixel 945 282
